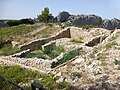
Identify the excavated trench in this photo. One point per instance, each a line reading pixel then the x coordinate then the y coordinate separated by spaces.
pixel 38 44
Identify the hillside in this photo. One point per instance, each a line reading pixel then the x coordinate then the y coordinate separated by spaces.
pixel 86 58
pixel 13 37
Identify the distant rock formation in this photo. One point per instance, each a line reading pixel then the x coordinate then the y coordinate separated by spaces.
pixel 3 23
pixel 111 24
pixel 86 20
pixel 63 16
pixel 82 20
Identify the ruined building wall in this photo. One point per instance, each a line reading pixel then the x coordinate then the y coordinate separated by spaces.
pixel 65 33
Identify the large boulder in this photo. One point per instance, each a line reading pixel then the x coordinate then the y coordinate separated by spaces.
pixel 111 24
pixel 87 20
pixel 63 16
pixel 83 20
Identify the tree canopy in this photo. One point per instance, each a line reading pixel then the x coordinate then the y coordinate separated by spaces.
pixel 45 15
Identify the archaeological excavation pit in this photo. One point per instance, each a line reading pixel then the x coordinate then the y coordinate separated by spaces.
pixel 53 51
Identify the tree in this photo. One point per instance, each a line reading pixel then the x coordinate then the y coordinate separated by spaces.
pixel 45 15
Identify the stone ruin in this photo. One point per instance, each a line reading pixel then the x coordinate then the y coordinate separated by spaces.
pixel 70 33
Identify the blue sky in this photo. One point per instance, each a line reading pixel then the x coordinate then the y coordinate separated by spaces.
pixel 17 9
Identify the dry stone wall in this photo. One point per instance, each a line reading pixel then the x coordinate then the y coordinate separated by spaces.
pixel 37 44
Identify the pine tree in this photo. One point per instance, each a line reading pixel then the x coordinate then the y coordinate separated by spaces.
pixel 45 15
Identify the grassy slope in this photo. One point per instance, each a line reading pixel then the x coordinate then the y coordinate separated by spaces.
pixel 23 34
pixel 18 75
pixel 15 31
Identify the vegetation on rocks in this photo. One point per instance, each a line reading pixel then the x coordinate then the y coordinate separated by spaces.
pixel 110 44
pixel 74 75
pixel 67 56
pixel 76 40
pixel 47 53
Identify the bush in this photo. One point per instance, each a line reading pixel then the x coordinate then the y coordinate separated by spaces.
pixel 45 15
pixel 7 49
pixel 26 21
pixel 18 22
pixel 48 53
pixel 13 22
pixel 68 56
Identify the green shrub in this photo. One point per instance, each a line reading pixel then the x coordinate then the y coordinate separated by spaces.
pixel 18 22
pixel 13 22
pixel 51 52
pixel 38 55
pixel 68 56
pixel 7 49
pixel 57 50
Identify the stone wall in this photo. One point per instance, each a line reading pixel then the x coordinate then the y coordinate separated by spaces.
pixel 95 41
pixel 76 32
pixel 32 62
pixel 37 44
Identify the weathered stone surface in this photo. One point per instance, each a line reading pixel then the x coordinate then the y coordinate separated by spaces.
pixel 14 43
pixel 95 41
pixel 95 74
pixel 111 24
pixel 63 16
pixel 83 20
pixel 87 20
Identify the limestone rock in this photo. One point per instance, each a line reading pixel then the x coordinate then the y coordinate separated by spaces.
pixel 63 16
pixel 111 24
pixel 14 43
pixel 83 20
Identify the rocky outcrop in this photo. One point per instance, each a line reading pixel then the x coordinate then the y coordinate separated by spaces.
pixel 88 20
pixel 3 23
pixel 83 20
pixel 111 24
pixel 63 16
